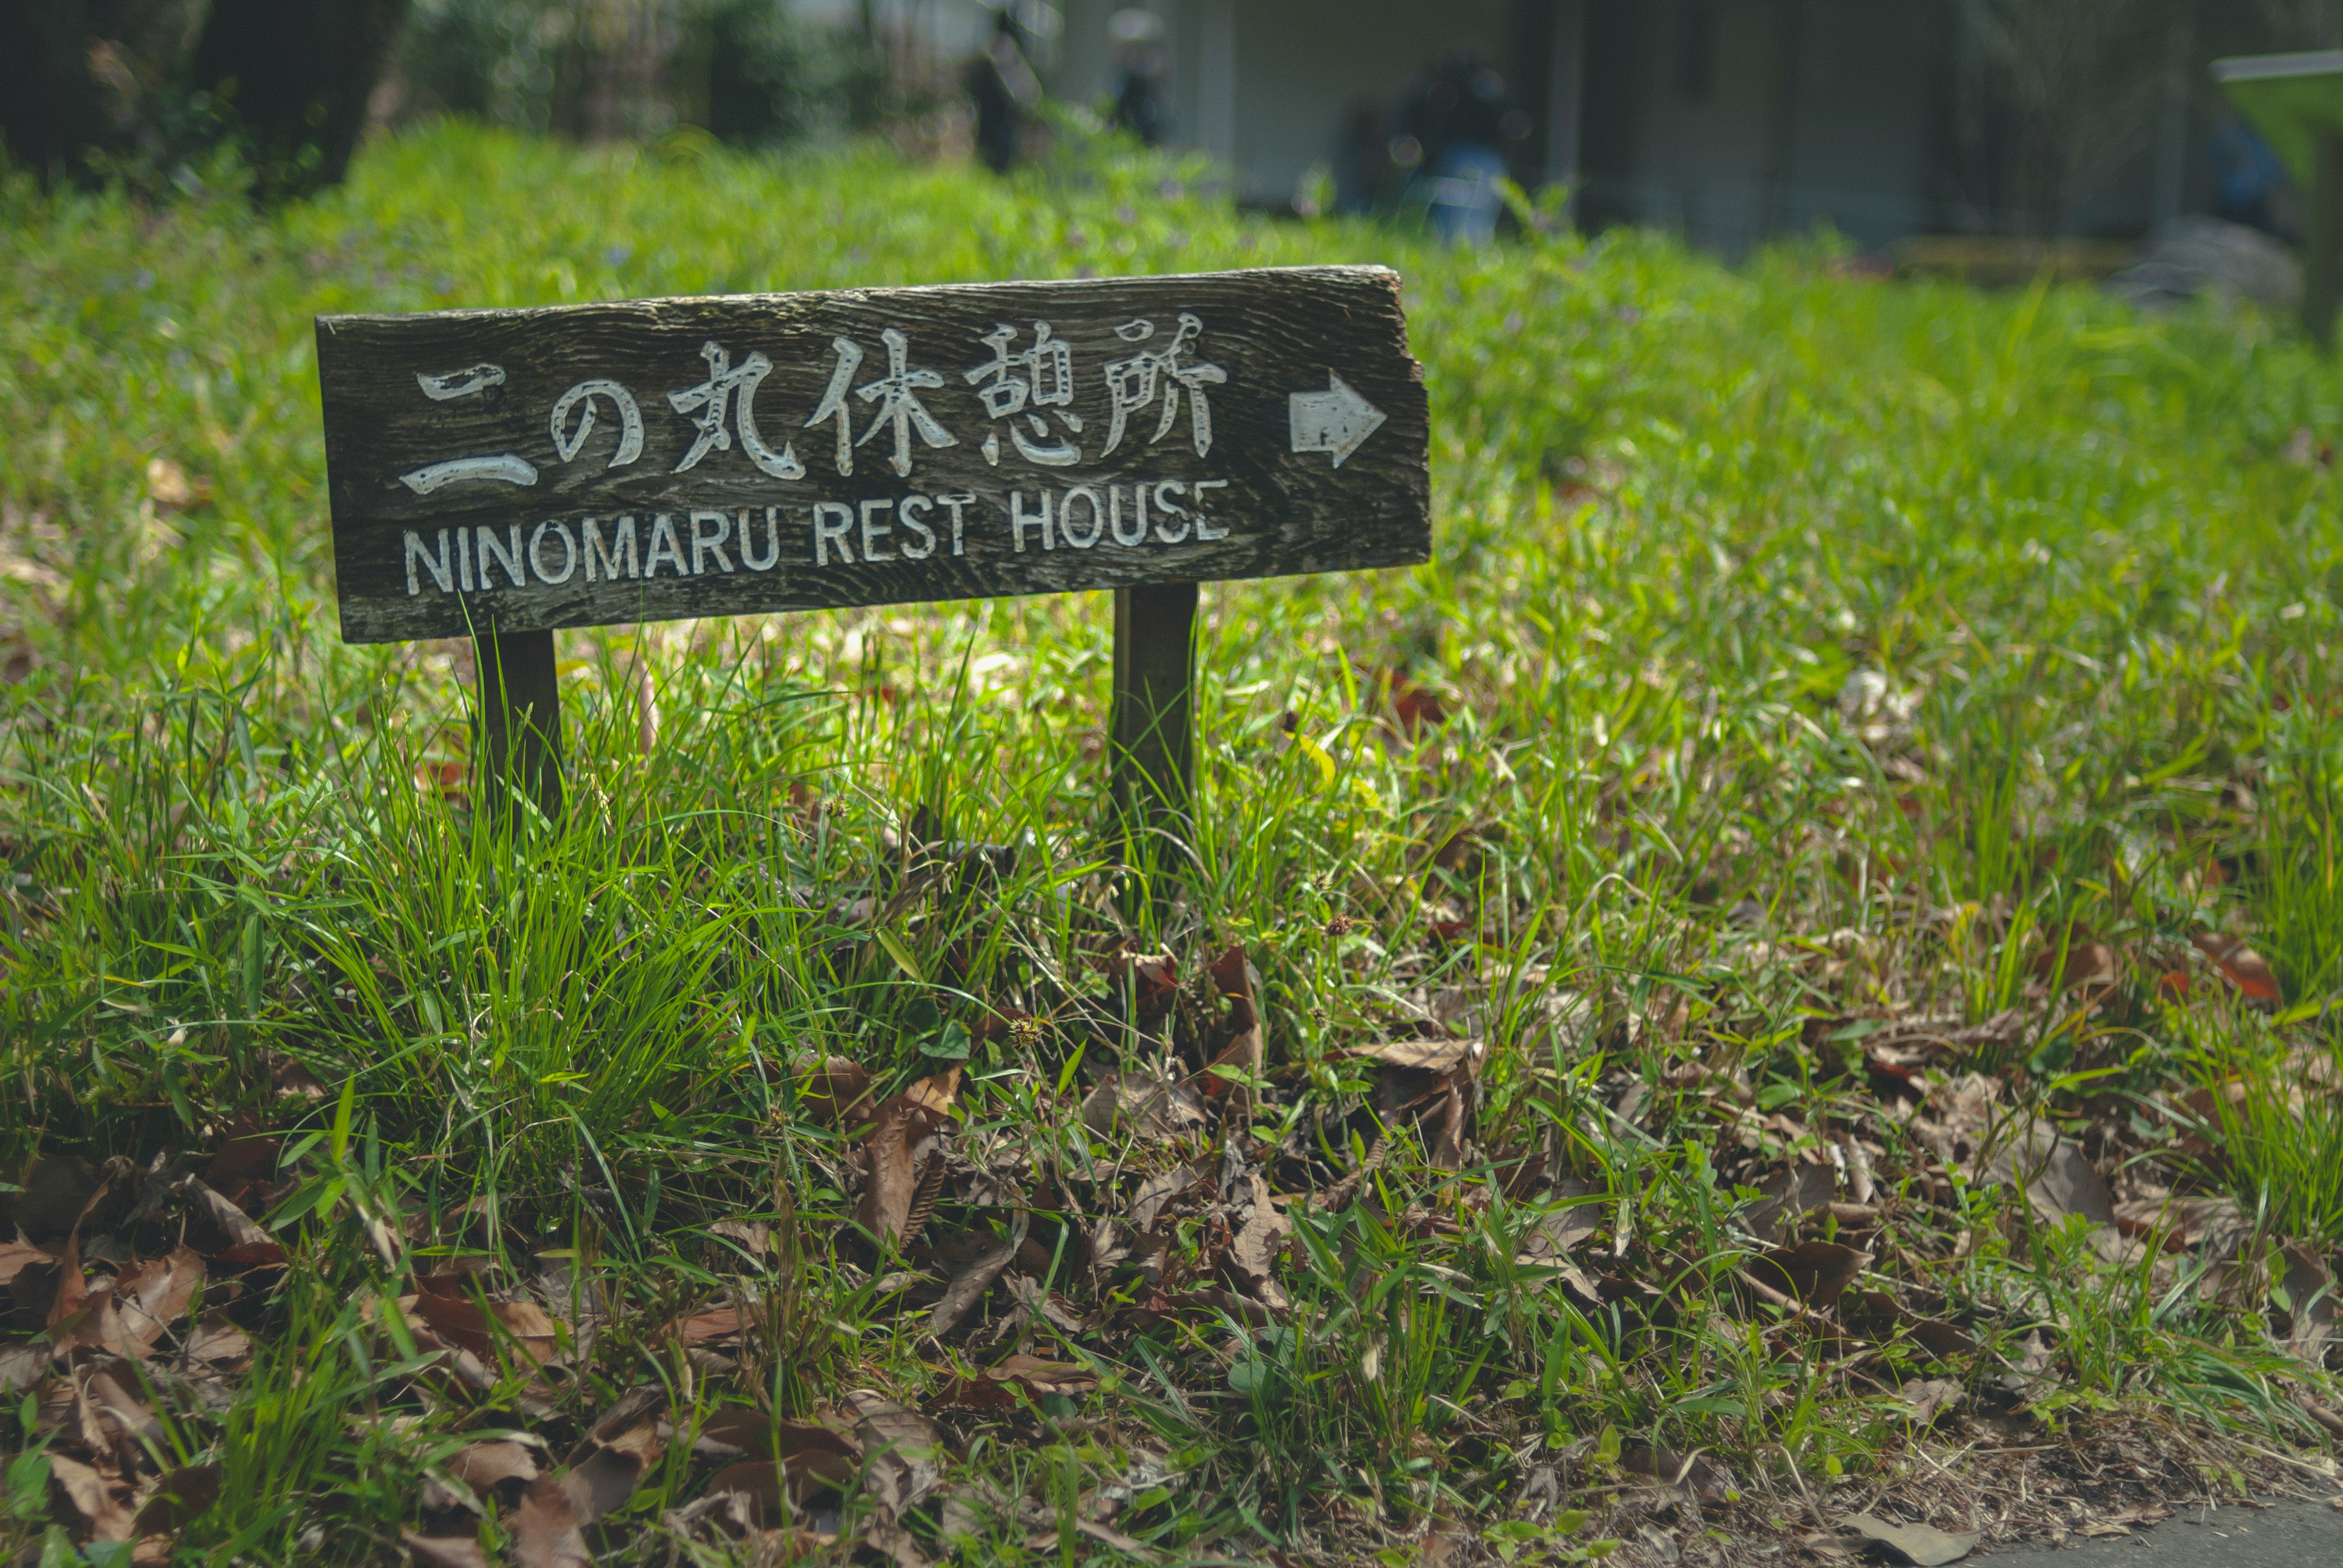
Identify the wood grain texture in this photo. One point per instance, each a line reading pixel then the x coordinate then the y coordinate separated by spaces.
pixel 1272 333
pixel 520 716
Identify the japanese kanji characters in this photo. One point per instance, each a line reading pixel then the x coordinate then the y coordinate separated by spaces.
pixel 1132 384
pixel 504 467
pixel 897 395
pixel 1021 384
pixel 1026 389
pixel 568 442
pixel 734 387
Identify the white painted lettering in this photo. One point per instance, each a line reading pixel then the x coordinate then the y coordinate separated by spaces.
pixel 665 547
pixel 872 529
pixel 748 558
pixel 1132 384
pixel 622 549
pixel 1171 510
pixel 953 504
pixel 568 552
pixel 734 387
pixel 441 573
pixel 1088 497
pixel 567 442
pixel 1019 518
pixel 464 557
pixel 1138 534
pixel 827 533
pixel 493 551
pixel 704 544
pixel 504 467
pixel 1205 532
pixel 910 518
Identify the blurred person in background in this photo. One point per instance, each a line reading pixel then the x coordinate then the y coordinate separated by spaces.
pixel 1455 125
pixel 2247 177
pixel 1362 160
pixel 1137 38
pixel 1003 88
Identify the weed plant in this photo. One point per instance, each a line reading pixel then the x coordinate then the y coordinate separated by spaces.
pixel 1834 711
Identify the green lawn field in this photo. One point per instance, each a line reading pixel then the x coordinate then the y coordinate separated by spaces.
pixel 1786 976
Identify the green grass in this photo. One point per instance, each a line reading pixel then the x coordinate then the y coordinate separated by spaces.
pixel 1816 654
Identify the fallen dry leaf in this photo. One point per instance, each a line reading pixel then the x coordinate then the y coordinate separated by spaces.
pixel 92 1496
pixel 711 1327
pixel 1787 1196
pixel 903 1159
pixel 484 1466
pixel 1816 1272
pixel 241 1230
pixel 448 1551
pixel 901 1448
pixel 22 1367
pixel 895 1542
pixel 969 1285
pixel 56 1190
pixel 1922 1544
pixel 114 1416
pixel 2179 1224
pixel 1940 1338
pixel 935 1094
pixel 17 1256
pixel 475 1326
pixel 1134 1102
pixel 834 1091
pixel 607 1467
pixel 2058 1181
pixel 1436 1056
pixel 2311 1291
pixel 1559 1232
pixel 1928 1398
pixel 1155 984
pixel 152 1296
pixel 751 1238
pixel 544 1533
pixel 2243 967
pixel 1704 1477
pixel 1412 707
pixel 817 1458
pixel 2086 964
pixel 169 485
pixel 82 1315
pixel 757 1484
pixel 1156 1192
pixel 1000 1386
pixel 1253 1255
pixel 1238 1063
pixel 217 1339
pixel 177 1499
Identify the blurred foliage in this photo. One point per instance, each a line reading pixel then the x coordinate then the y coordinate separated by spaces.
pixel 743 70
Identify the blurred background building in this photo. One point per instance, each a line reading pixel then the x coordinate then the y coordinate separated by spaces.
pixel 1733 121
pixel 1728 121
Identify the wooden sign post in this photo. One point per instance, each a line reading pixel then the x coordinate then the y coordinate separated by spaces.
pixel 2296 102
pixel 498 474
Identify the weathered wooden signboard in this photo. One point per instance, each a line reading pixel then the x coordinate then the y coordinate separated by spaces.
pixel 502 473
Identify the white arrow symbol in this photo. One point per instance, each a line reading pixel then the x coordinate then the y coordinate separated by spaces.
pixel 1336 420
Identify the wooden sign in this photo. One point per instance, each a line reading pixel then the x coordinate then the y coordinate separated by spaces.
pixel 524 469
pixel 502 473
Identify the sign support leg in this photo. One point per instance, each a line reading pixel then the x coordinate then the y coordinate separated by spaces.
pixel 1152 733
pixel 2322 271
pixel 520 718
